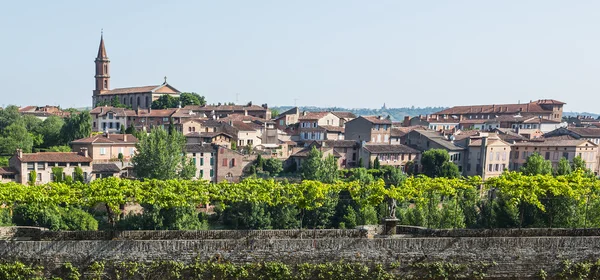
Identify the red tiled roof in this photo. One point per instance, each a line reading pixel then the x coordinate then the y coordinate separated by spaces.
pixel 7 171
pixel 225 108
pixel 344 115
pixel 392 149
pixel 127 90
pixel 313 115
pixel 111 139
pixel 496 108
pixel 244 126
pixel 241 117
pixel 156 113
pixel 588 132
pixel 54 157
pixel 333 128
pixel 121 112
pixel 377 119
pixel 550 102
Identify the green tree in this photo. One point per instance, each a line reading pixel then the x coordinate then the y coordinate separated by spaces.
pixel 247 215
pixel 160 155
pixel 361 175
pixel 8 116
pixel 165 101
pixel 77 126
pixel 360 164
pixel 395 177
pixel 328 173
pixel 450 170
pixel 57 174
pixel 284 216
pixel 63 149
pixel 130 129
pixel 114 102
pixel 563 167
pixel 259 162
pixel 78 177
pixel 579 163
pixel 273 166
pixel 376 164
pixel 191 98
pixel 15 136
pixel 274 113
pixel 433 160
pixel 32 178
pixel 50 130
pixel 310 167
pixel 536 165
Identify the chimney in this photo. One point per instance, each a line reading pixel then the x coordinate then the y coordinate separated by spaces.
pixel 101 110
pixel 19 153
pixel 406 121
pixel 124 137
pixel 83 152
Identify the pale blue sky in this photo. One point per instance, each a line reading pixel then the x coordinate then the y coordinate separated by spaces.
pixel 324 53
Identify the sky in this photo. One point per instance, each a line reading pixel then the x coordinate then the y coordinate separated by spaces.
pixel 344 53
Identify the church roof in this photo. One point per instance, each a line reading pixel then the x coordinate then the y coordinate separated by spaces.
pixel 142 89
pixel 101 49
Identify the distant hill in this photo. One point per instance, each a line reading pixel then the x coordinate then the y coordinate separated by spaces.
pixel 575 114
pixel 397 114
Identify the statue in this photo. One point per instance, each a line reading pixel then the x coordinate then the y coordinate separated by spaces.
pixel 391 207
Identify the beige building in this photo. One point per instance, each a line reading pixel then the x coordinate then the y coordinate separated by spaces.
pixel 487 156
pixel 372 129
pixel 42 163
pixel 107 147
pixel 555 149
pixel 586 133
pixel 286 118
pixel 393 155
pixel 216 163
pixel 346 152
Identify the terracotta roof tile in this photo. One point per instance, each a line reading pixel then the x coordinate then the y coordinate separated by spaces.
pixel 385 149
pixel 377 119
pixel 344 115
pixel 55 157
pixel 111 139
pixel 127 90
pixel 156 113
pixel 105 168
pixel 313 115
pixel 333 128
pixel 588 132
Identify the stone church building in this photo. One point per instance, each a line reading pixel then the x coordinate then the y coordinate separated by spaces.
pixel 135 97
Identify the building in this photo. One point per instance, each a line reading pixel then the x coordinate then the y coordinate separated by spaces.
pixel 105 170
pixel 544 108
pixel 346 152
pixel 311 125
pixel 286 118
pixel 7 174
pixel 392 155
pixel 424 140
pixel 221 111
pixel 553 149
pixel 106 147
pixel 372 129
pixel 134 97
pixel 344 117
pixel 111 119
pixel 216 163
pixel 42 163
pixel 44 112
pixel 487 155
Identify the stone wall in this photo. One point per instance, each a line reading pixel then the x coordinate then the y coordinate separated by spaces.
pixel 499 232
pixel 514 257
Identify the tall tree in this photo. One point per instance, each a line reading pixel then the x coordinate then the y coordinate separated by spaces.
pixel 191 98
pixel 328 173
pixel 536 164
pixel 161 155
pixel 376 163
pixel 433 160
pixel 579 163
pixel 274 113
pixel 50 130
pixel 273 166
pixel 563 167
pixel 311 165
pixel 77 126
pixel 15 136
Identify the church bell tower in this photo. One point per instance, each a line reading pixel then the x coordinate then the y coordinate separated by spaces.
pixel 102 71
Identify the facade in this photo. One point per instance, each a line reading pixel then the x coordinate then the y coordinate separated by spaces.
pixel 42 163
pixel 372 129
pixel 216 163
pixel 346 152
pixel 555 149
pixel 545 108
pixel 110 119
pixel 392 155
pixel 221 111
pixel 487 156
pixel 586 133
pixel 286 118
pixel 106 147
pixel 134 97
pixel 424 140
pixel 310 125
pixel 105 170
pixel 203 157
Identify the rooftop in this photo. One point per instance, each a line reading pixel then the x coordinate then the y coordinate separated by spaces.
pixel 105 168
pixel 54 157
pixel 392 149
pixel 107 139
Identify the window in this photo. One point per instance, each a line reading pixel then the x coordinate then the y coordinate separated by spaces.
pixel 165 119
pixel 490 167
pixel 315 124
pixel 547 155
pixel 110 125
pixel 105 84
pixel 232 162
pixel 468 167
pixel 496 167
pixel 118 125
pixel 131 151
pixel 212 162
pixel 555 155
pixel 40 166
pixel 39 177
pixel 566 155
pixel 211 173
pixel 224 162
pixel 103 151
pixel 30 166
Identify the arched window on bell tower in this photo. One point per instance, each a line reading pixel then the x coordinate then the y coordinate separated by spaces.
pixel 105 84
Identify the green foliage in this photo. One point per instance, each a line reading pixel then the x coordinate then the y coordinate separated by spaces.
pixel 78 176
pixel 360 164
pixel 449 170
pixel 131 130
pixel 63 149
pixel 114 102
pixel 53 217
pixel 165 101
pixel 50 130
pixel 376 164
pixel 273 166
pixel 155 217
pixel 16 136
pixel 314 167
pixel 162 156
pixel 4 161
pixel 32 178
pixel 57 174
pixel 274 113
pixel 259 162
pixel 563 167
pixel 191 98
pixel 247 215
pixel 433 160
pixel 536 165
pixel 77 126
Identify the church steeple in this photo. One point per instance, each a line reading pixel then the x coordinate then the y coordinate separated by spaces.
pixel 102 69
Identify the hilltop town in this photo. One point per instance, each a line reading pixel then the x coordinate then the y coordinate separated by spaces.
pixel 225 140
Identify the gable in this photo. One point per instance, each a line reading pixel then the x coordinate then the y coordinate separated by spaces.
pixel 167 89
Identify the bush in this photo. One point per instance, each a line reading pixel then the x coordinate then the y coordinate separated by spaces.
pixel 54 218
pixel 157 218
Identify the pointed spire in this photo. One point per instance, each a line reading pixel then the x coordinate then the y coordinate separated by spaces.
pixel 101 49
